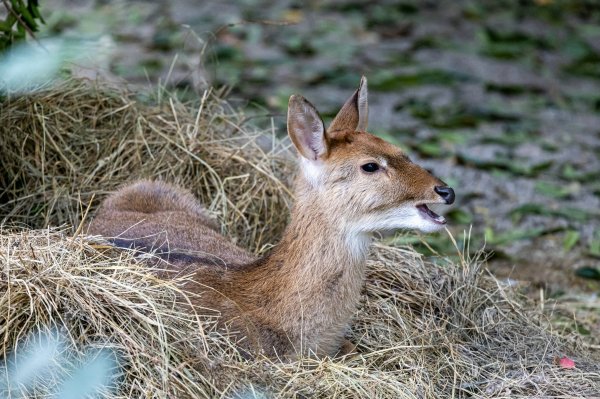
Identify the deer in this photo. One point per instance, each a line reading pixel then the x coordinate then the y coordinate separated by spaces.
pixel 300 297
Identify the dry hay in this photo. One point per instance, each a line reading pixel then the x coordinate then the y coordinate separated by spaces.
pixel 65 286
pixel 424 329
pixel 64 146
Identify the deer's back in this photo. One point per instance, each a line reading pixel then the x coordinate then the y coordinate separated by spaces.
pixel 158 217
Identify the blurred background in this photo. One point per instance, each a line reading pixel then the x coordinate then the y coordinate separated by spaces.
pixel 500 99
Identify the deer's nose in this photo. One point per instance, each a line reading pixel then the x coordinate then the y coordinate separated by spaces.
pixel 447 193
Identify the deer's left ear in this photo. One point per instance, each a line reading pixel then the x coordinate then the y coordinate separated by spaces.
pixel 354 115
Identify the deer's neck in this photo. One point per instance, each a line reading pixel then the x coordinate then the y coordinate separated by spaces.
pixel 316 272
pixel 316 245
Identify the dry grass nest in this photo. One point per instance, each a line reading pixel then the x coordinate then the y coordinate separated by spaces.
pixel 426 327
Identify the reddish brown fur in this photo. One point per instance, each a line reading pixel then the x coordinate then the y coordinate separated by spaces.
pixel 412 181
pixel 301 297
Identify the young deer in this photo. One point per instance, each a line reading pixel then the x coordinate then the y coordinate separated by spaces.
pixel 300 297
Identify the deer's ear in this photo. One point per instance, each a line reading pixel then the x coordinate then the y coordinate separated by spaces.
pixel 306 129
pixel 354 115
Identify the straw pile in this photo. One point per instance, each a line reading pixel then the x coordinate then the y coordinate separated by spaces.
pixel 53 284
pixel 63 147
pixel 424 329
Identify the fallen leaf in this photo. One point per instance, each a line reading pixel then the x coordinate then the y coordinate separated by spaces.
pixel 566 363
pixel 589 272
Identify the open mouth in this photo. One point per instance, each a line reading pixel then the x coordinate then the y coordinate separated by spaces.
pixel 428 214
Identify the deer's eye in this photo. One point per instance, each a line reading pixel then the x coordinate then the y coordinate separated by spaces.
pixel 370 167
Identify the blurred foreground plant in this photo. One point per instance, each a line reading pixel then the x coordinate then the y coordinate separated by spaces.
pixel 45 364
pixel 22 18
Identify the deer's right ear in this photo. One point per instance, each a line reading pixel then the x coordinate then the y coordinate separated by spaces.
pixel 306 129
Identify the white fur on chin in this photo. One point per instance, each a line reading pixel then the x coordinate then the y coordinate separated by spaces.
pixel 404 217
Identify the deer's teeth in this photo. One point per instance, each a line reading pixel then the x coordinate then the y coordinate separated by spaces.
pixel 431 215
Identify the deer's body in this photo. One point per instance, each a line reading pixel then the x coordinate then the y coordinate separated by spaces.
pixel 300 297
